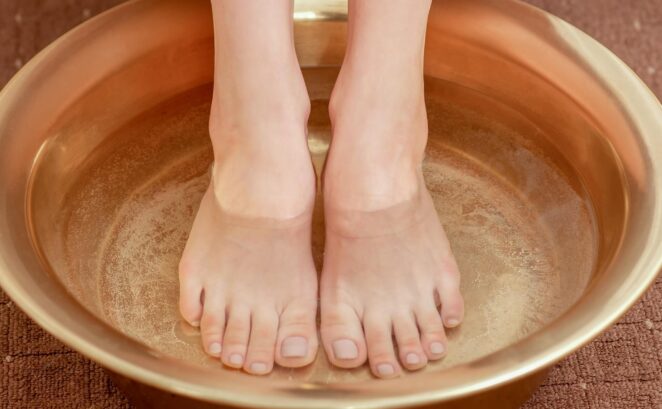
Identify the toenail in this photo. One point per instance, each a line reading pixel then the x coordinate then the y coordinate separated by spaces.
pixel 215 348
pixel 345 349
pixel 437 348
pixel 385 369
pixel 413 359
pixel 258 367
pixel 294 347
pixel 453 322
pixel 236 359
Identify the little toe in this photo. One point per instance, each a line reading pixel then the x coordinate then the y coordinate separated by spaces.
pixel 190 294
pixel 452 307
pixel 261 347
pixel 342 336
pixel 212 326
pixel 433 336
pixel 235 338
pixel 381 353
pixel 297 335
pixel 412 355
pixel 452 303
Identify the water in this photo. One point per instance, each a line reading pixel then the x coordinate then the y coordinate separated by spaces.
pixel 517 218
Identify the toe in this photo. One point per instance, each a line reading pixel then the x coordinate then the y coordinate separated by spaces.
pixel 190 296
pixel 412 355
pixel 212 326
pixel 452 303
pixel 297 335
pixel 235 338
pixel 379 340
pixel 342 336
pixel 433 337
pixel 261 347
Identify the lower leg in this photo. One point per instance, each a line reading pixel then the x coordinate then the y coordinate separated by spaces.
pixel 387 261
pixel 260 108
pixel 378 99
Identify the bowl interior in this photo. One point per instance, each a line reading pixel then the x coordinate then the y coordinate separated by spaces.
pixel 520 224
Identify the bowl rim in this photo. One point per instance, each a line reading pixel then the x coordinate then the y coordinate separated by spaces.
pixel 524 360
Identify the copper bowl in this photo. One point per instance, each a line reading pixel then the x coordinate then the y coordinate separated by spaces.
pixel 545 160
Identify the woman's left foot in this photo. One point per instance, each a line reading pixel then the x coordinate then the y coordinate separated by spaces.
pixel 387 263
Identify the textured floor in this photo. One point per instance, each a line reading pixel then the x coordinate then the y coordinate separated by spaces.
pixel 620 370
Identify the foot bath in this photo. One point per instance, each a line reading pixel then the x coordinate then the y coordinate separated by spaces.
pixel 543 161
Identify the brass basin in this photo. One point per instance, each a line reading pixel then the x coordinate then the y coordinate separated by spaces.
pixel 545 161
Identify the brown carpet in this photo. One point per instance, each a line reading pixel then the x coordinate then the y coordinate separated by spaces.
pixel 620 370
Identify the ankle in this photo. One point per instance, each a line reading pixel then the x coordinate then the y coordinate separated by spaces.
pixel 252 181
pixel 262 166
pixel 271 116
pixel 391 94
pixel 379 138
pixel 384 124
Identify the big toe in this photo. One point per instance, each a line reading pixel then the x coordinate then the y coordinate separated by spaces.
pixel 297 336
pixel 342 336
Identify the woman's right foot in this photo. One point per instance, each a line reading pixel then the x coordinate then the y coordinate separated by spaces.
pixel 247 276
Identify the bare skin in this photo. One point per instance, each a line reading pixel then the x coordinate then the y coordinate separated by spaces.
pixel 247 276
pixel 388 263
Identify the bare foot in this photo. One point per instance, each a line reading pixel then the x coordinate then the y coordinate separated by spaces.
pixel 387 263
pixel 247 276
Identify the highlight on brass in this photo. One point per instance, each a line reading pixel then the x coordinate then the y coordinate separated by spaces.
pixel 543 162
